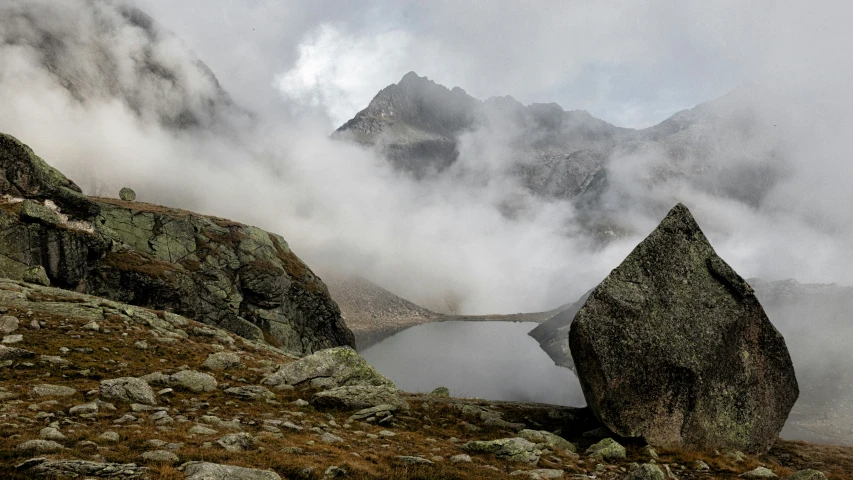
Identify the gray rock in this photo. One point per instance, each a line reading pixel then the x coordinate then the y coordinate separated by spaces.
pixel 646 471
pixel 127 194
pixel 540 474
pixel 12 353
pixel 159 456
pixel 357 397
pixel 47 390
pixel 674 347
pixel 93 326
pixel 84 409
pixel 544 439
pixel 440 392
pixel 36 212
pixel 222 361
pixel 8 324
pixel 511 449
pixel 40 446
pixel 330 368
pixel 201 430
pixel 36 275
pixel 608 449
pixel 14 338
pixel 43 468
pixel 760 472
pixel 411 460
pixel 461 458
pixel 237 442
pixel 50 433
pixel 215 471
pixel 807 475
pixel 193 381
pixel 109 437
pixel 251 392
pixel 128 390
pixel 333 471
pixel 327 437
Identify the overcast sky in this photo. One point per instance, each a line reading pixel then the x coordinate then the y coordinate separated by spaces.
pixel 631 63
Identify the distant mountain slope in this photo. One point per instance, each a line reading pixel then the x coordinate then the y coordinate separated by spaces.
pixel 723 147
pixel 112 51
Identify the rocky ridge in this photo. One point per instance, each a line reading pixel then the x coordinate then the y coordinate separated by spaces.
pixel 213 270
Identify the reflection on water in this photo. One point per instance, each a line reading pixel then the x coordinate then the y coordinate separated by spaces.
pixel 490 360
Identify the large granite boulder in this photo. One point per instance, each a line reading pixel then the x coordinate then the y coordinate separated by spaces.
pixel 233 276
pixel 674 347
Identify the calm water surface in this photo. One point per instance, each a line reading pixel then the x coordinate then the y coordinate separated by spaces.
pixel 490 360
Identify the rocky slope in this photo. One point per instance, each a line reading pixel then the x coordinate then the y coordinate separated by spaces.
pixel 94 388
pixel 213 270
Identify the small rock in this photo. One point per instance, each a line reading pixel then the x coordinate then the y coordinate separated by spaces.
pixel 646 471
pixel 608 450
pixel 9 324
pixel 440 392
pixel 128 390
pixel 193 381
pixel 512 449
pixel 47 390
pixel 127 194
pixel 410 460
pixel 333 471
pixel 237 442
pixel 16 338
pixel 807 475
pixel 462 458
pixel 251 392
pixel 93 326
pixel 159 456
pixel 141 345
pixel 540 474
pixel 109 437
pixel 327 437
pixel 701 466
pixel 40 446
pixel 544 439
pixel 202 430
pixel 300 403
pixel 36 275
pixel 215 471
pixel 222 361
pixel 760 472
pixel 50 433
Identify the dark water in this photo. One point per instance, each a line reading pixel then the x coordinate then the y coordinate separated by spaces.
pixel 489 360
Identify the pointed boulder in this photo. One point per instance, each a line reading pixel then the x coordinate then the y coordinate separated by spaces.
pixel 674 347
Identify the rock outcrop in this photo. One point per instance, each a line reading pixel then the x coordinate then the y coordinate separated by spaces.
pixel 674 347
pixel 220 272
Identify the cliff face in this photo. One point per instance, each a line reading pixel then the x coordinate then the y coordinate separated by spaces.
pixel 210 269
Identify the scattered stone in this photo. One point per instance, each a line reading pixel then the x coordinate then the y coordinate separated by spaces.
pixel 40 446
pixel 43 468
pixel 47 390
pixel 540 474
pixel 251 392
pixel 760 472
pixel 329 368
pixel 215 471
pixel 701 466
pixel 36 275
pixel 141 345
pixel 327 437
pixel 8 324
pixel 661 344
pixel 92 326
pixel 333 471
pixel 84 409
pixel 440 392
pixel 544 439
pixel 12 353
pixel 50 433
pixel 109 437
pixel 356 397
pixel 128 390
pixel 15 338
pixel 222 361
pixel 202 430
pixel 193 381
pixel 608 450
pixel 646 471
pixel 387 433
pixel 300 403
pixel 410 460
pixel 159 456
pixel 511 449
pixel 237 442
pixel 807 475
pixel 127 194
pixel 462 458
